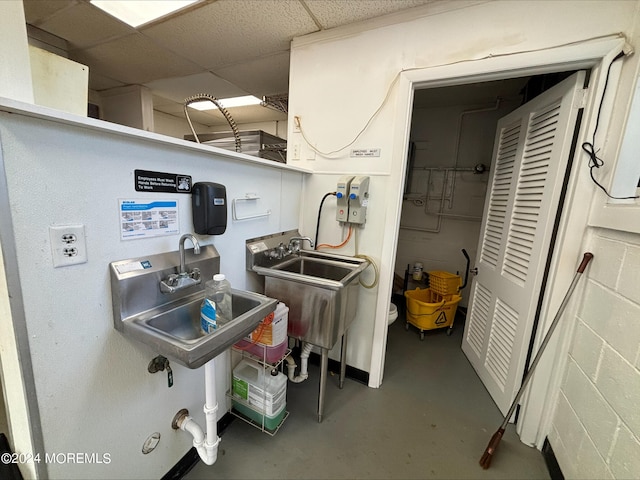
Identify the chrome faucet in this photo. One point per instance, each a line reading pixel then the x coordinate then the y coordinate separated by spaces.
pixel 182 279
pixel 196 250
pixel 295 242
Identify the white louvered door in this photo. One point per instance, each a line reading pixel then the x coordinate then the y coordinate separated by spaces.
pixel 531 151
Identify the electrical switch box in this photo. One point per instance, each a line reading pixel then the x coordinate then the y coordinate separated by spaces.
pixel 358 199
pixel 342 196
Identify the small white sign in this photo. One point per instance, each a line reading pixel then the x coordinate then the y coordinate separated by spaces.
pixel 130 267
pixel 258 247
pixel 365 152
pixel 140 218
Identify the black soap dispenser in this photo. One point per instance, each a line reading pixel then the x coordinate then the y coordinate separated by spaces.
pixel 209 208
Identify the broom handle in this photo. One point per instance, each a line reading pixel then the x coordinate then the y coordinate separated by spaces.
pixel 585 261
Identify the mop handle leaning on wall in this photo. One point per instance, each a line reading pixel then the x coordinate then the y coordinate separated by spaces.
pixel 485 460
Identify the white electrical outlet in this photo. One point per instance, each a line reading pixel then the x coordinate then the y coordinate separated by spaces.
pixel 68 244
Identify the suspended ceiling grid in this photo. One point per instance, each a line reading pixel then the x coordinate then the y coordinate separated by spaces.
pixel 225 48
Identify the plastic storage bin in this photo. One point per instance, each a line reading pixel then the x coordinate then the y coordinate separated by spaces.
pixel 428 310
pixel 258 394
pixel 444 283
pixel 268 342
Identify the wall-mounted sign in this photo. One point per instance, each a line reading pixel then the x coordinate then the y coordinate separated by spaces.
pixel 141 219
pixel 147 181
pixel 365 152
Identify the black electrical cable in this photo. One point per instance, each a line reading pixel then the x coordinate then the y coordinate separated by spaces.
pixel 594 160
pixel 320 213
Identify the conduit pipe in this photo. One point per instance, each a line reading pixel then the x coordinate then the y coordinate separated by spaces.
pixel 304 365
pixel 456 155
pixel 205 445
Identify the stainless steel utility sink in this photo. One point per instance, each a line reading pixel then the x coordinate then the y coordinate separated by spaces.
pixel 170 322
pixel 320 288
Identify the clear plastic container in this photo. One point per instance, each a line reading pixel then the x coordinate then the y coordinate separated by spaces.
pixel 216 306
pixel 256 386
pixel 269 341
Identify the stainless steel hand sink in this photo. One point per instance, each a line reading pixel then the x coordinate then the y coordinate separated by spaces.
pixel 170 322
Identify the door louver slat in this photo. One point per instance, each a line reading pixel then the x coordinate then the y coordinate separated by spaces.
pixel 478 318
pixel 533 175
pixel 496 215
pixel 501 339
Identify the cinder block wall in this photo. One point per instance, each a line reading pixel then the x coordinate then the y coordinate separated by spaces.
pixel 596 426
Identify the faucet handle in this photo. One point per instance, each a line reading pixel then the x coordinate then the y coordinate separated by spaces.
pixel 195 273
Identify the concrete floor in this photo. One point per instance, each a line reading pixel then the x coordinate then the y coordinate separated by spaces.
pixel 432 418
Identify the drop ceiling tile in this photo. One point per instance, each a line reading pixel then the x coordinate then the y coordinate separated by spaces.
pixel 263 76
pixel 85 25
pixel 134 59
pixel 331 13
pixel 37 10
pixel 232 31
pixel 179 88
pixel 256 113
pixel 206 118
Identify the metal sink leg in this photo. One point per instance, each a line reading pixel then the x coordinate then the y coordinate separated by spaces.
pixel 343 359
pixel 324 361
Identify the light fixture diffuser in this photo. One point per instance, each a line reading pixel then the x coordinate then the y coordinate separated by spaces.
pixel 227 103
pixel 139 12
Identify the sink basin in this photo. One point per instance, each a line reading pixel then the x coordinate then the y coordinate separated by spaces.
pixel 170 322
pixel 314 267
pixel 175 330
pixel 321 289
pixel 311 267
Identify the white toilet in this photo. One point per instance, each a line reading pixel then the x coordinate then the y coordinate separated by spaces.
pixel 393 313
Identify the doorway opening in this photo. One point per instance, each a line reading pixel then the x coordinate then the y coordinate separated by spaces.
pixel 449 165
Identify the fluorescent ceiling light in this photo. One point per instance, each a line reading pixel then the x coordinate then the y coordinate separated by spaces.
pixel 227 103
pixel 139 12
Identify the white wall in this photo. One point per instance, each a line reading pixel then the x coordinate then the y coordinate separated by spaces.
pixel 596 426
pixel 340 78
pixel 15 69
pixel 173 126
pixel 93 389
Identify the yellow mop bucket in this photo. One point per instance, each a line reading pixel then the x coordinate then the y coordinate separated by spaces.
pixel 427 309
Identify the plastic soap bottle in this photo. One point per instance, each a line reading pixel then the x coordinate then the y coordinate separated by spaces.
pixel 216 306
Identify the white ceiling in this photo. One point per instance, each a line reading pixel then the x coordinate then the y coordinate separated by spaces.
pixel 224 48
